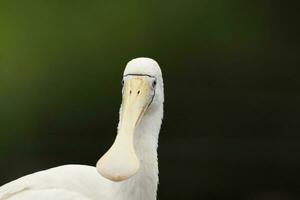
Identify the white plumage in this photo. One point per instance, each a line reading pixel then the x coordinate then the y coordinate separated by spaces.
pixel 130 178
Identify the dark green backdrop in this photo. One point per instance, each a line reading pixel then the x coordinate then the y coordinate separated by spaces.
pixel 231 128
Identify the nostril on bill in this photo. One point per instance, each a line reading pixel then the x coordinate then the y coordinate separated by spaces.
pixel 138 92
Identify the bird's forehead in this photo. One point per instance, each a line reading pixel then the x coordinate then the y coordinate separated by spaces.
pixel 143 66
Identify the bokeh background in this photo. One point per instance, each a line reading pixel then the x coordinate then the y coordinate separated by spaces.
pixel 231 128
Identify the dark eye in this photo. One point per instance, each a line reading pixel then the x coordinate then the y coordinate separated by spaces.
pixel 154 84
pixel 122 82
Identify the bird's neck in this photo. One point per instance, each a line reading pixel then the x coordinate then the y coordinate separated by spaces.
pixel 143 185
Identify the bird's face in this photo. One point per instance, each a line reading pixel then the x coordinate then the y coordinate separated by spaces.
pixel 139 93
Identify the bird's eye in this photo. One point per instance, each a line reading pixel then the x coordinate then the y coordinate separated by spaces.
pixel 154 84
pixel 122 82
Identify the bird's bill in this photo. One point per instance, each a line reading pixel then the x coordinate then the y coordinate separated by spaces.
pixel 120 162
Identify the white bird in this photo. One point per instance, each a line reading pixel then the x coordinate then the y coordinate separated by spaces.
pixel 129 168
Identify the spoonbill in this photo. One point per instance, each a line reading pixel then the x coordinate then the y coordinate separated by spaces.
pixel 129 169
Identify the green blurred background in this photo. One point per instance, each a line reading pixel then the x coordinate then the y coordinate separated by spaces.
pixel 231 128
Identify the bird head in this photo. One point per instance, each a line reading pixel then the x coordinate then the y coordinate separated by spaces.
pixel 142 92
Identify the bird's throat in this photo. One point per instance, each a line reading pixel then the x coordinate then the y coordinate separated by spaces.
pixel 143 185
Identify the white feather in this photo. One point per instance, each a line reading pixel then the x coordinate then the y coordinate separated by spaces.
pixel 80 182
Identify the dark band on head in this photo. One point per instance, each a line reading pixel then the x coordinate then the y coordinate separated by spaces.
pixel 139 75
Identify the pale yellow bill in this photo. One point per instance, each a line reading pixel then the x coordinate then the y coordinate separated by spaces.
pixel 120 162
